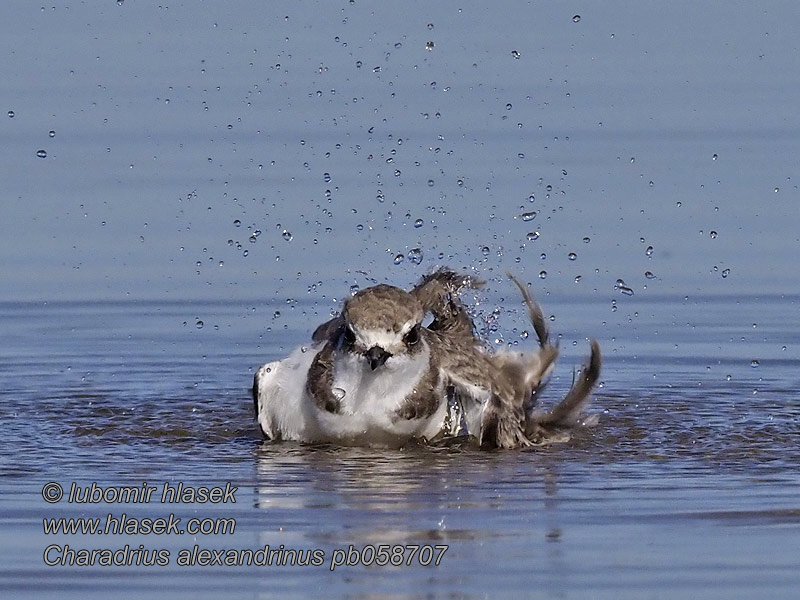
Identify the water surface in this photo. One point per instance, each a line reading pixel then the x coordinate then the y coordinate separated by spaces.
pixel 688 485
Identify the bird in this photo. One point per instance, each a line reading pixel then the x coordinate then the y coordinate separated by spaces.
pixel 376 375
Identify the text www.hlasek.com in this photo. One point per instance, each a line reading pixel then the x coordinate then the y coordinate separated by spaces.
pixel 395 555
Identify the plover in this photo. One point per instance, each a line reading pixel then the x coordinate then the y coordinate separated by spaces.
pixel 376 376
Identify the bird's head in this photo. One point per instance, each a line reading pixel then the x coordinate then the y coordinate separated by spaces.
pixel 382 322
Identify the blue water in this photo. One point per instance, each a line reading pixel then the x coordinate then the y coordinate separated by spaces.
pixel 688 485
pixel 190 188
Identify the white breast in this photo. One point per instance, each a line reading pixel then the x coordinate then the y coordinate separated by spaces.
pixel 368 400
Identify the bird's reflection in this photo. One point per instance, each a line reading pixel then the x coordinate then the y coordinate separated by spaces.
pixel 416 494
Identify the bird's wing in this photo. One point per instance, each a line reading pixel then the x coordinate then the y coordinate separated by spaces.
pixel 329 330
pixel 569 412
pixel 438 292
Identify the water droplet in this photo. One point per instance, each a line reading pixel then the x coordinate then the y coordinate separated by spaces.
pixel 415 256
pixel 754 363
pixel 776 190
pixel 572 256
pixel 41 153
pixel 649 251
pixel 326 177
pixel 577 278
pixel 429 46
pixel 533 235
pixel 485 250
pixel 712 234
pixel 430 26
pixel 338 393
pixel 576 18
pixel 586 240
pixel 725 273
pixel 287 235
pixel 237 223
pixel 354 289
pixel 515 54
pixel 11 114
pixel 419 223
pixel 624 289
pixel 714 156
pixel 529 216
pixel 199 324
pixel 399 259
pixel 649 275
pixel 508 106
pixel 51 133
pixel 542 274
pixel 430 182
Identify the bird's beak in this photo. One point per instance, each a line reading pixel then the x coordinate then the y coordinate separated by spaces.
pixel 376 356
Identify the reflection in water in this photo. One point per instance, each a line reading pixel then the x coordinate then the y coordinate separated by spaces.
pixel 401 496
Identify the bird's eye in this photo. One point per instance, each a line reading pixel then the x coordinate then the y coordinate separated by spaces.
pixel 349 335
pixel 412 337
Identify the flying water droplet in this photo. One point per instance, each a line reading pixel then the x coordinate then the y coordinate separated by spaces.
pixel 199 324
pixel 712 234
pixel 572 256
pixel 528 216
pixel 41 153
pixel 354 289
pixel 649 275
pixel 533 236
pixel 415 256
pixel 287 235
pixel 399 259
pixel 429 46
pixel 649 251
pixel 754 364
pixel 542 274
pixel 624 289
pixel 725 273
pixel 418 223
pixel 576 19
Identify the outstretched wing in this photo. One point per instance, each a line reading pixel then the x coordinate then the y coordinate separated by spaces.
pixel 438 292
pixel 569 412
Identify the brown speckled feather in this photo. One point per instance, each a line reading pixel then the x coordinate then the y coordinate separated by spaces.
pixel 319 381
